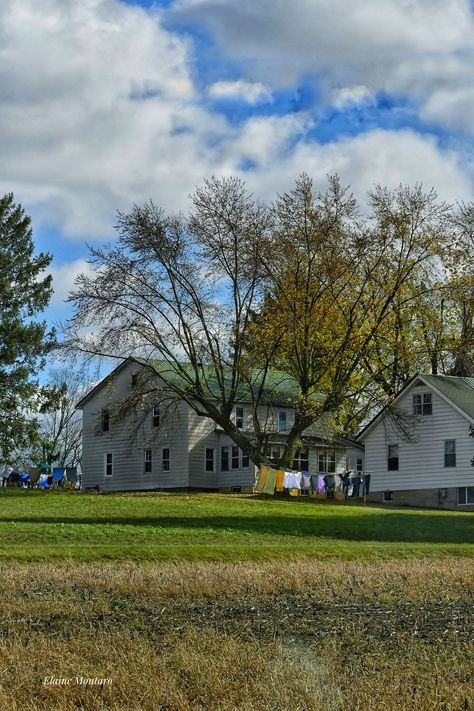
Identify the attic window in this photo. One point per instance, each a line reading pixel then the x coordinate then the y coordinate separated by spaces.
pixel 282 421
pixel 422 404
pixel 134 379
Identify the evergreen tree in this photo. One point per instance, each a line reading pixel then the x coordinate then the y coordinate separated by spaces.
pixel 24 341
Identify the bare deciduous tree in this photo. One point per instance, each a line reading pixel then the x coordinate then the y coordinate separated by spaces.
pixel 241 300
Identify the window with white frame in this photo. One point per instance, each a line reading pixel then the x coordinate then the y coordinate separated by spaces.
pixel 109 464
pixel 327 461
pixel 165 459
pixel 282 421
pixel 224 459
pixel 449 452
pixel 422 404
pixel 239 417
pixel 465 495
pixel 273 452
pixel 148 460
pixel 301 461
pixel 235 457
pixel 209 463
pixel 156 415
pixel 245 461
pixel 359 465
pixel 392 459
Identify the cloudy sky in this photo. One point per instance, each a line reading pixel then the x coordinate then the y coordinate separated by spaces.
pixel 109 102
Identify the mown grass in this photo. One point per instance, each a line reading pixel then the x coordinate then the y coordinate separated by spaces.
pixel 36 525
pixel 304 636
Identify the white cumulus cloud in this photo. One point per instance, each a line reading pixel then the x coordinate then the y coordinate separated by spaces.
pixel 413 47
pixel 251 92
pixel 98 107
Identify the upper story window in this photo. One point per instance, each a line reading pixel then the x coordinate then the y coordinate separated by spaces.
pixel 422 404
pixel 282 421
pixel 359 465
pixel 156 416
pixel 450 453
pixel 392 460
pixel 134 379
pixel 105 420
pixel 327 462
pixel 239 417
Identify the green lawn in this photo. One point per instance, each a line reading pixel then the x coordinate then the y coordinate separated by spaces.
pixel 36 525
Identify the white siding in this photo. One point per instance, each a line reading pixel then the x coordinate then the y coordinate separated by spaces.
pixel 128 455
pixel 185 433
pixel 353 454
pixel 201 434
pixel 233 477
pixel 421 464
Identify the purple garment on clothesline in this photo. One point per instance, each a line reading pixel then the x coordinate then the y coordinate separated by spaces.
pixel 321 484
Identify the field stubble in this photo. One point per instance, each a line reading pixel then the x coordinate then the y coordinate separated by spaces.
pixel 299 636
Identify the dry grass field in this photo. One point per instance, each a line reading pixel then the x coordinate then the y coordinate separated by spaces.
pixel 302 635
pixel 217 602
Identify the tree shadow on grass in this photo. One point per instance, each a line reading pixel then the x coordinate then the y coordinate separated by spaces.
pixel 419 527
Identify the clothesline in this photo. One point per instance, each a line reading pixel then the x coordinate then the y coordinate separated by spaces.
pixel 314 485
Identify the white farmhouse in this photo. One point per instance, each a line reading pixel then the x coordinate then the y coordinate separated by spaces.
pixel 172 447
pixel 433 466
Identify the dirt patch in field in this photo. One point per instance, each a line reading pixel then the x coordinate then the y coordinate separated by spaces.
pixel 296 638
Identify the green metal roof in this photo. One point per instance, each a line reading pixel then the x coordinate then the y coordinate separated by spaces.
pixel 457 389
pixel 279 387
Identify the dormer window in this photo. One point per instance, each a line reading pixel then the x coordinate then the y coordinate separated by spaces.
pixel 156 416
pixel 282 421
pixel 239 417
pixel 422 404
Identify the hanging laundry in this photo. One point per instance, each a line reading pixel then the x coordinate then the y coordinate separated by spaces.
pixel 330 483
pixel 305 481
pixel 294 492
pixel 356 482
pixel 292 480
pixel 345 484
pixel 314 483
pixel 321 485
pixel 280 476
pixel 269 486
pixel 367 484
pixel 262 480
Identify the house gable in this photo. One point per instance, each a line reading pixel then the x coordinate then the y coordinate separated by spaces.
pixel 456 394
